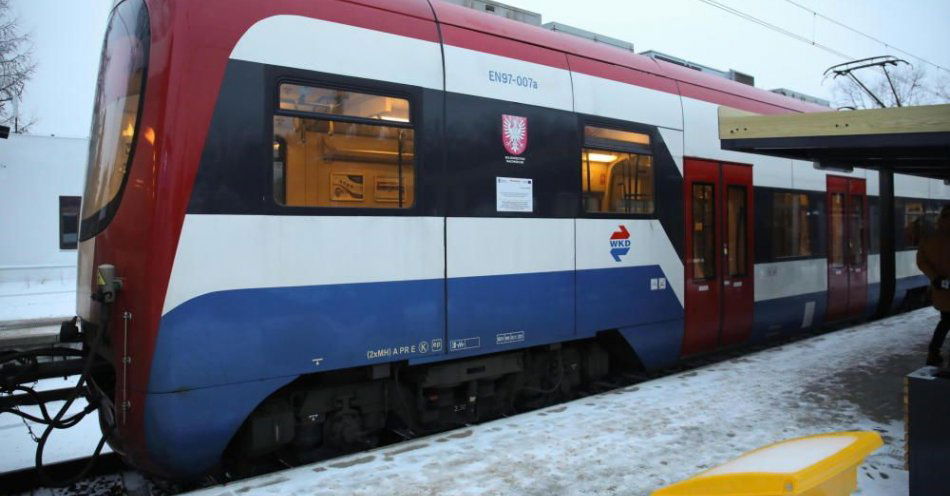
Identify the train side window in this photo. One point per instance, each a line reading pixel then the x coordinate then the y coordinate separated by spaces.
pixel 791 225
pixel 330 101
pixel 856 234
pixel 704 232
pixel 913 223
pixel 616 172
pixel 931 218
pixel 836 251
pixel 338 148
pixel 736 245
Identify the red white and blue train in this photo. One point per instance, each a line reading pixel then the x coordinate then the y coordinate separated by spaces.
pixel 332 218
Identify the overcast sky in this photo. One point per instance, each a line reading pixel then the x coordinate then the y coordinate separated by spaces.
pixel 67 37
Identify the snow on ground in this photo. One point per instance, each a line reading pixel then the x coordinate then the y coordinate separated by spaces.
pixel 637 439
pixel 43 299
pixel 19 449
pixel 31 310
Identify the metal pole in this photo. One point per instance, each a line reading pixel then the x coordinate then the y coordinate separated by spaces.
pixel 887 232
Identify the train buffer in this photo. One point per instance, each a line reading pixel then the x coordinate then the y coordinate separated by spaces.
pixel 823 464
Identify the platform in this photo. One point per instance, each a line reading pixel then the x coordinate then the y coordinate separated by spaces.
pixel 31 309
pixel 635 440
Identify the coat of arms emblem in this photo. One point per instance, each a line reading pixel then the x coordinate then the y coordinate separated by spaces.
pixel 514 133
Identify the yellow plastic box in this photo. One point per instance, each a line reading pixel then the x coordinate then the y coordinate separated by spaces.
pixel 819 465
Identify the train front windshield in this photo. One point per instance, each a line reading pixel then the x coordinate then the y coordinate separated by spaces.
pixel 119 92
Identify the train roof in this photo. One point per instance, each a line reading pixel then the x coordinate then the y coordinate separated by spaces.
pixel 470 29
pixel 691 83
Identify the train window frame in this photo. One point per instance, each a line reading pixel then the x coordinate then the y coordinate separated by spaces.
pixel 832 260
pixel 382 89
pixel 93 223
pixel 813 228
pixel 713 252
pixel 742 269
pixel 901 226
pixel 586 144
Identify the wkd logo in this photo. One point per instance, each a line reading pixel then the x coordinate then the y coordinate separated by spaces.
pixel 619 243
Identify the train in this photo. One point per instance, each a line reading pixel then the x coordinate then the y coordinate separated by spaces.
pixel 309 223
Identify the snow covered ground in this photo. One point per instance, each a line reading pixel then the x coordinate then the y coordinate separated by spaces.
pixel 635 440
pixel 31 310
pixel 46 298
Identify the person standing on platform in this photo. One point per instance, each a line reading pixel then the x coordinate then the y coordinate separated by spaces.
pixel 933 258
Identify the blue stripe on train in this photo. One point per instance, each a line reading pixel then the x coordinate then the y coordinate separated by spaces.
pixel 905 284
pixel 218 355
pixel 275 332
pixel 785 316
pixel 186 431
pixel 494 313
pixel 650 320
pixel 253 334
pixel 615 298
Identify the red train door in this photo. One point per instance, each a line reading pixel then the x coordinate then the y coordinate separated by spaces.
pixel 701 182
pixel 847 248
pixel 837 201
pixel 857 248
pixel 738 278
pixel 718 264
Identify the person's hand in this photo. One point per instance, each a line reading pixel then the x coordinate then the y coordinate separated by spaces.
pixel 941 283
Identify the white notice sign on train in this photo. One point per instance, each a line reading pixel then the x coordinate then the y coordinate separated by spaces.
pixel 514 194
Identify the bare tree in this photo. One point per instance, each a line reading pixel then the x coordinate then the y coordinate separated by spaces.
pixel 911 84
pixel 16 67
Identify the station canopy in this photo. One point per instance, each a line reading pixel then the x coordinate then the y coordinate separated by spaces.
pixel 905 140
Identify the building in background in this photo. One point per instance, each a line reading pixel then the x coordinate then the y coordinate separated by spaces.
pixel 41 180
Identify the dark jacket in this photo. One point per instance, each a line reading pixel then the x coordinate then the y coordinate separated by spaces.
pixel 933 258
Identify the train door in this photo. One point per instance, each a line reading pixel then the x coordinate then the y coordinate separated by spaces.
pixel 718 265
pixel 847 247
pixel 738 280
pixel 857 248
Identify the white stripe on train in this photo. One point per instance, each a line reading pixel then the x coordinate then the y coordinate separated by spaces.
pixel 225 252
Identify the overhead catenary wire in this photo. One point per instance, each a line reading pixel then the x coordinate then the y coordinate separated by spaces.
pixel 868 36
pixel 804 39
pixel 776 28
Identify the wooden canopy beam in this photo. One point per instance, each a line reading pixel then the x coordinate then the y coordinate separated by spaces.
pixel 907 140
pixel 737 124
